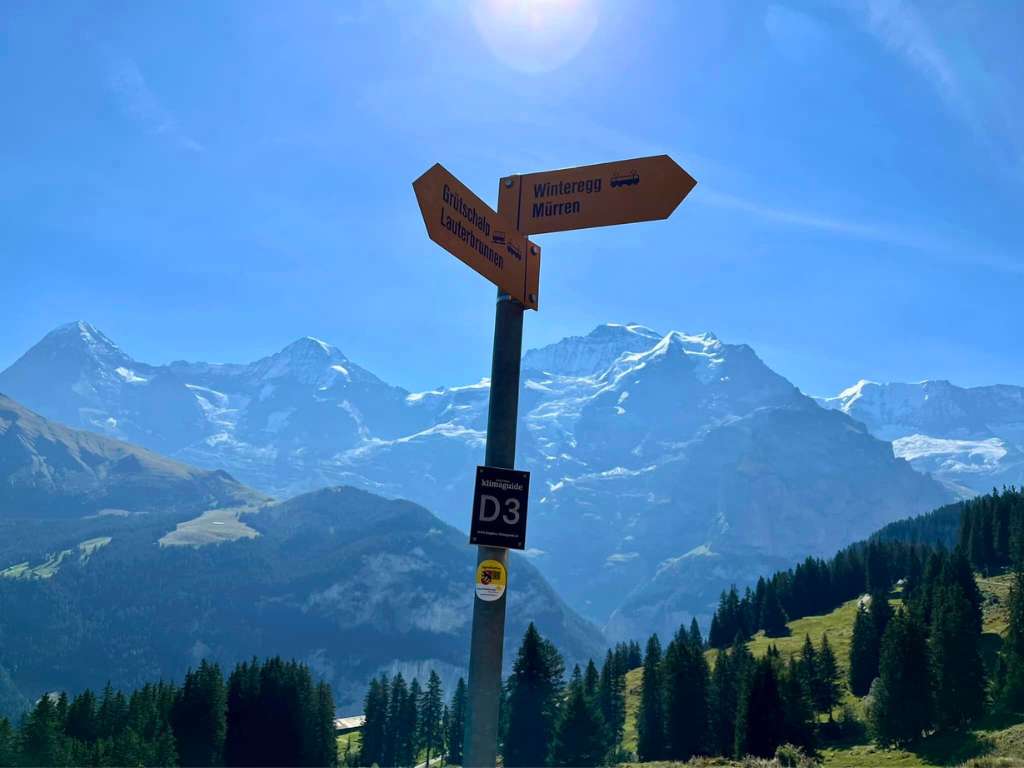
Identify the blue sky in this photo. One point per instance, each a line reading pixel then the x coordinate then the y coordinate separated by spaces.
pixel 214 183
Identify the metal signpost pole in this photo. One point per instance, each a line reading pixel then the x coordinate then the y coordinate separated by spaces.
pixel 481 739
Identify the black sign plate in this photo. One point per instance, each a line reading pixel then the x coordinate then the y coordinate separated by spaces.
pixel 499 508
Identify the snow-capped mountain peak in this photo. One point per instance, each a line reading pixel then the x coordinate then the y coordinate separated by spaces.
pixel 313 343
pixel 700 344
pixel 80 338
pixel 591 354
pixel 310 349
pixel 618 329
pixel 852 394
pixel 308 360
pixel 701 352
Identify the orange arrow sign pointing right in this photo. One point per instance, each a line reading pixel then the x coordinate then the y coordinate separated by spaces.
pixel 642 189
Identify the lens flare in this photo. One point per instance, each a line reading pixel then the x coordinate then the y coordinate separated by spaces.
pixel 535 36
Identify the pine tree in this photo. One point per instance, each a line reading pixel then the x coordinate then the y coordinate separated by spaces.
pixel 164 750
pixel 1010 686
pixel 396 709
pixel 686 698
pixel 900 709
pixel 431 731
pixel 41 737
pixel 325 750
pixel 198 718
pixel 61 711
pixel 731 670
pixel 446 717
pixel 958 676
pixel 143 717
pixel 881 613
pixel 611 695
pixel 8 744
pixel 533 691
pixel 408 741
pixel 591 681
pixel 924 597
pixel 715 634
pixel 457 723
pixel 635 658
pixel 808 668
pixel 863 655
pixel 696 639
pixel 650 724
pixel 81 720
pixel 879 580
pixel 734 616
pixel 374 735
pixel 126 748
pixel 760 723
pixel 773 617
pixel 797 712
pixel 111 713
pixel 579 738
pixel 755 603
pixel 242 730
pixel 827 691
pixel 959 571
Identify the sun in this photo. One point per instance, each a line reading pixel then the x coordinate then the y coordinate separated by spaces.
pixel 535 36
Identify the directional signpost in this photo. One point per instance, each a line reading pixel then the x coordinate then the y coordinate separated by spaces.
pixel 496 245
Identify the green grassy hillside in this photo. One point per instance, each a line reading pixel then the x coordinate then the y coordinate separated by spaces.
pixel 838 625
pixel 999 739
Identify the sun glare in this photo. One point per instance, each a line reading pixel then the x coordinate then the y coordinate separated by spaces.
pixel 535 36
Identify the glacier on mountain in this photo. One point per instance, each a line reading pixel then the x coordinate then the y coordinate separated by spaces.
pixel 970 438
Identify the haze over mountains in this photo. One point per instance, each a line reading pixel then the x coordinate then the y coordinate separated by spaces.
pixel 970 438
pixel 351 583
pixel 50 470
pixel 665 465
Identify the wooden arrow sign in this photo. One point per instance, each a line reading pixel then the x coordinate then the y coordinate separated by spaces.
pixel 466 227
pixel 642 189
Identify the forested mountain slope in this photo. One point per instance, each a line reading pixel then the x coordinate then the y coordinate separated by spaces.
pixel 195 565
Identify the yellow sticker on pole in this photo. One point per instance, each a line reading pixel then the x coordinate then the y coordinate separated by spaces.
pixel 491 579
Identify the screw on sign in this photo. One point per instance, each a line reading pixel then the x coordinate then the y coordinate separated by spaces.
pixel 496 246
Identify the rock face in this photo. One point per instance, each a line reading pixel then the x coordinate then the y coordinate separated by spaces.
pixel 352 583
pixel 664 465
pixel 972 439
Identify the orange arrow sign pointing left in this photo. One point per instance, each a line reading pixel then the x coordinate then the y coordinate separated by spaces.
pixel 469 229
pixel 641 189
